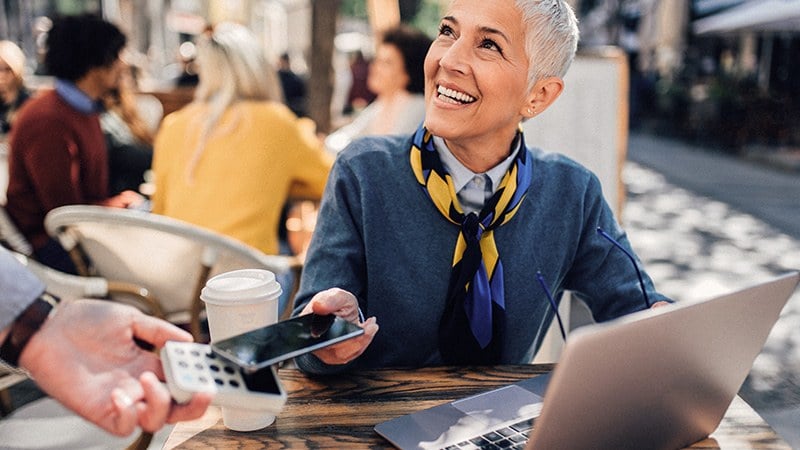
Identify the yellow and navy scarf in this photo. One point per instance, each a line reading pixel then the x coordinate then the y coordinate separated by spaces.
pixel 472 325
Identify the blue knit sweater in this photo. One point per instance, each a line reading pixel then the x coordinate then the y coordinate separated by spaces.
pixel 380 237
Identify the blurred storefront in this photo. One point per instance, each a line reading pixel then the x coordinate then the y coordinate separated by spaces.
pixel 156 29
pixel 711 69
pixel 719 71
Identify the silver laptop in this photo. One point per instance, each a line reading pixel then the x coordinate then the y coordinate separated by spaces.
pixel 660 379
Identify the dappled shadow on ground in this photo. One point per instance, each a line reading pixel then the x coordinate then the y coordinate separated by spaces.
pixel 696 247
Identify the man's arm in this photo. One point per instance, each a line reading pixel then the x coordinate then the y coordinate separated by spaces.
pixel 86 356
pixel 18 289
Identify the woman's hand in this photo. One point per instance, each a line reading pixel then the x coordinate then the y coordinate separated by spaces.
pixel 343 304
pixel 125 199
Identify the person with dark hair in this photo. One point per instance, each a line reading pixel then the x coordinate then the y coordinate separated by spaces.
pixel 129 136
pixel 359 95
pixel 395 76
pixel 293 85
pixel 58 153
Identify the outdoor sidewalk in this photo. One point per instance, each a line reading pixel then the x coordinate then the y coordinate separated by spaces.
pixel 769 193
pixel 707 239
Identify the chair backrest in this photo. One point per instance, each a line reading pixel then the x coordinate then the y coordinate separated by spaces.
pixel 172 259
pixel 65 285
pixel 589 121
pixel 11 237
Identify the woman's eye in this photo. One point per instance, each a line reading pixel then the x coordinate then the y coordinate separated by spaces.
pixel 491 45
pixel 445 30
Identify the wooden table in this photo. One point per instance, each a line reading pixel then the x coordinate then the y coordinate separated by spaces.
pixel 339 412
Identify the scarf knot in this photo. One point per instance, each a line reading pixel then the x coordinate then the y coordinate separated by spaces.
pixel 471 228
pixel 472 326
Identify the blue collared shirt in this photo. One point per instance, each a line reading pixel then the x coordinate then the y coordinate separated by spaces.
pixel 472 189
pixel 77 98
pixel 19 286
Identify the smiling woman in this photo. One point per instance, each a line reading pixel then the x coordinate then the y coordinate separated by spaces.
pixel 479 70
pixel 475 213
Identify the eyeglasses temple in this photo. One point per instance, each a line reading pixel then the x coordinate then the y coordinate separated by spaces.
pixel 552 303
pixel 633 261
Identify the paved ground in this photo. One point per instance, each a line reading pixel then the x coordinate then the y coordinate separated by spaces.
pixel 768 193
pixel 695 245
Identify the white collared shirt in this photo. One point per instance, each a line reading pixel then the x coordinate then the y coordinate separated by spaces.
pixel 472 189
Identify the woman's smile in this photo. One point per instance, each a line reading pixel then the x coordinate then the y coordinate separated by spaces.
pixel 453 96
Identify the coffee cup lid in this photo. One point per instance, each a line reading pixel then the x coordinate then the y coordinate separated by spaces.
pixel 244 286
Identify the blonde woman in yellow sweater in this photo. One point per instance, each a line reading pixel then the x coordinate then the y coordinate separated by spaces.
pixel 229 160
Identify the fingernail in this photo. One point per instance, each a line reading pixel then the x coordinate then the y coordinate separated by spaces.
pixel 121 399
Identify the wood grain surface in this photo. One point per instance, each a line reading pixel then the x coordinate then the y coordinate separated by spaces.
pixel 339 412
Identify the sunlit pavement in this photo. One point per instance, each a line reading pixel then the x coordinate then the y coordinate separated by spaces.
pixel 694 246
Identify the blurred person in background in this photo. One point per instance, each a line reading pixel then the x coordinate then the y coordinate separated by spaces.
pixel 229 160
pixel 128 136
pixel 13 92
pixel 359 95
pixel 395 76
pixel 58 155
pixel 294 87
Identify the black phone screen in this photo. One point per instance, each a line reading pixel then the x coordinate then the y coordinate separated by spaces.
pixel 261 381
pixel 262 347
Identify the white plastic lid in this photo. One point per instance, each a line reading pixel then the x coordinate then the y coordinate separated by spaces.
pixel 246 286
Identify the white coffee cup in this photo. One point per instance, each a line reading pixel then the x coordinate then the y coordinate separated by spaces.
pixel 237 302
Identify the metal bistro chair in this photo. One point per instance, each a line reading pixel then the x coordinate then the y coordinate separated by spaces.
pixel 170 260
pixel 11 237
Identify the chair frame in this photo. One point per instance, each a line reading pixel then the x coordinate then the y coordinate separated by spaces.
pixel 60 223
pixel 8 379
pixel 11 237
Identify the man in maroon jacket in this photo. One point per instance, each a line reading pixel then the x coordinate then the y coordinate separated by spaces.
pixel 58 154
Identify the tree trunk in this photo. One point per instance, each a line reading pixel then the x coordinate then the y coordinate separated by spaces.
pixel 323 30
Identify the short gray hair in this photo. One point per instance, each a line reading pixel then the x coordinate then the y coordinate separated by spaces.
pixel 551 37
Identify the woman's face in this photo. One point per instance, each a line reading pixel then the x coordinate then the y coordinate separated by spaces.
pixel 387 73
pixel 8 81
pixel 476 73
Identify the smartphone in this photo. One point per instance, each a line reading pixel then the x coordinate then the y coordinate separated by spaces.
pixel 268 345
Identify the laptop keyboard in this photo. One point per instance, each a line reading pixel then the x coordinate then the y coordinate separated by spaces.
pixel 512 437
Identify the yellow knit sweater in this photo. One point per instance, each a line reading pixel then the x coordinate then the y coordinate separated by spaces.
pixel 258 156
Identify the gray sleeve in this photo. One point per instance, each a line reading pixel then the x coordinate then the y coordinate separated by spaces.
pixel 336 253
pixel 18 288
pixel 602 274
